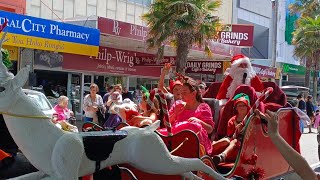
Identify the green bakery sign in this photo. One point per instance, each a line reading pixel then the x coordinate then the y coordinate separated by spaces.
pixel 293 69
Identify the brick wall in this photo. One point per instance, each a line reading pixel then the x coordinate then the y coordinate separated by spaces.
pixel 16 6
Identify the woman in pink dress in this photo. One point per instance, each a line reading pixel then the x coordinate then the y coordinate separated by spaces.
pixel 62 110
pixel 192 114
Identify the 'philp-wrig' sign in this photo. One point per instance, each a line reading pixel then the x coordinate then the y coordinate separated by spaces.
pixel 237 35
pixel 204 67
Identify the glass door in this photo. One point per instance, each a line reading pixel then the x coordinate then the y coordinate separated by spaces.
pixel 86 80
pixel 74 92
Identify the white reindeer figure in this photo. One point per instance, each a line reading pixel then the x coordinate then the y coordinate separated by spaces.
pixel 60 155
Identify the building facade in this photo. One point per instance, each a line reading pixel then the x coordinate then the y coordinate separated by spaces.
pixel 15 6
pixel 124 16
pixel 129 11
pixel 260 13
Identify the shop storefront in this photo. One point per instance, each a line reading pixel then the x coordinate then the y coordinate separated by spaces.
pixel 113 66
pixel 132 37
pixel 39 44
pixel 293 74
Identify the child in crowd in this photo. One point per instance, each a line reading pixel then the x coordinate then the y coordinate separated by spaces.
pixel 241 106
pixel 317 121
pixel 115 98
pixel 149 107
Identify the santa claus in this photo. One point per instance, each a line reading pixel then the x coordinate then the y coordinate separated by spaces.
pixel 240 72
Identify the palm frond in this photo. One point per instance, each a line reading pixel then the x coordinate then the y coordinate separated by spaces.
pixel 190 20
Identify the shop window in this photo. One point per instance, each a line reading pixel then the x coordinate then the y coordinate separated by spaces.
pixel 285 78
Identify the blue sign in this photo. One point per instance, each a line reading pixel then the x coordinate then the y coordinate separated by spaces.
pixel 48 29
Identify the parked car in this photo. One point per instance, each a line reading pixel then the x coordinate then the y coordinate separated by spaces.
pixel 41 100
pixel 292 92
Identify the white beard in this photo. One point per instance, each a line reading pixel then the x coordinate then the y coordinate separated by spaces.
pixel 236 73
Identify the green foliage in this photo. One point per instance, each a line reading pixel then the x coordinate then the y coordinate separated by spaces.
pixel 306 37
pixel 6 58
pixel 170 19
pixel 307 8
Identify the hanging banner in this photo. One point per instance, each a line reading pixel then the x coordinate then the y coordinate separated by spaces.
pixel 236 35
pixel 264 71
pixel 204 67
pixel 114 61
pixel 36 33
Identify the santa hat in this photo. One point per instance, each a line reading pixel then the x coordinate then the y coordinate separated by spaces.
pixel 238 59
pixel 173 83
pixel 241 97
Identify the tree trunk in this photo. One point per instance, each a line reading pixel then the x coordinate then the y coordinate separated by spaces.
pixel 183 44
pixel 315 84
pixel 315 77
pixel 307 75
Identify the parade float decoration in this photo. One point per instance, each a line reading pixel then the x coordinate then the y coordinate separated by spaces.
pixel 147 154
pixel 58 154
pixel 255 147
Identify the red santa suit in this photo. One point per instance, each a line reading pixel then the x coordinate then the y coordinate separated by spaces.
pixel 240 65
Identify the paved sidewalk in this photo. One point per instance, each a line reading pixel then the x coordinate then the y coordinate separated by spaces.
pixel 309 146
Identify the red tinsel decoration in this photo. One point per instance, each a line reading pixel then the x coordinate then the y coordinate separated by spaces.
pixel 255 174
pixel 241 172
pixel 252 160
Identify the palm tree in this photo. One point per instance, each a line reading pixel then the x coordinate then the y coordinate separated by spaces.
pixel 307 41
pixel 183 22
pixel 304 53
pixel 305 8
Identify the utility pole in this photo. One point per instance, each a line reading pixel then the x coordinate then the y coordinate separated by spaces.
pixel 275 6
pixel 274 31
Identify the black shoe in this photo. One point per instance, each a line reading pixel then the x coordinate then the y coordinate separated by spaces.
pixel 217 159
